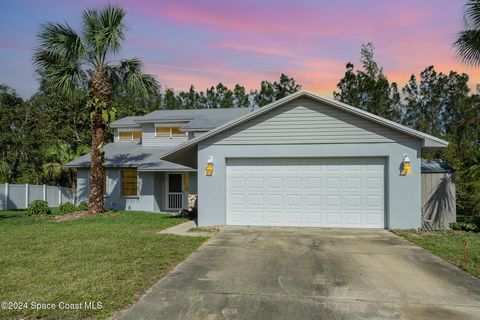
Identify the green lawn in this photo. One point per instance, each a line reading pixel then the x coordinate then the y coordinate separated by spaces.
pixel 448 245
pixel 110 259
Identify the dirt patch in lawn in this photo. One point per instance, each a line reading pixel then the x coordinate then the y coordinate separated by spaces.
pixel 82 214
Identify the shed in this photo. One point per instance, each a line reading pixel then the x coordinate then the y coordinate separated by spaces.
pixel 438 193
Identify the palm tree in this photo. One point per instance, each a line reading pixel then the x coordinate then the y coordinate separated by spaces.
pixel 468 41
pixel 59 155
pixel 68 60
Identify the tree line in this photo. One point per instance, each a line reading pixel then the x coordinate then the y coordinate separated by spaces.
pixel 440 104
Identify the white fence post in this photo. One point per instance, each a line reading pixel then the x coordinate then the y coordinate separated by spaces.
pixel 6 196
pixel 59 196
pixel 44 192
pixel 26 195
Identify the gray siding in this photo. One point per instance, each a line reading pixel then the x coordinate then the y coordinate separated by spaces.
pixel 151 194
pixel 145 201
pixel 159 189
pixel 438 198
pixel 150 140
pixel 307 121
pixel 193 183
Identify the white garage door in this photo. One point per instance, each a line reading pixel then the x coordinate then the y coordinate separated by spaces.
pixel 336 192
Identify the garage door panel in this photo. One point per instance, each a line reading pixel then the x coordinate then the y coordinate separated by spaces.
pixel 313 201
pixel 306 192
pixel 334 183
pixel 238 183
pixel 373 202
pixel 294 201
pixel 373 218
pixel 236 217
pixel 255 183
pixel 352 201
pixel 293 183
pixel 354 183
pixel 294 218
pixel 353 219
pixel 255 216
pixel 334 218
pixel 314 184
pixel 237 200
pixel 333 201
pixel 374 183
pixel 273 183
pixel 274 200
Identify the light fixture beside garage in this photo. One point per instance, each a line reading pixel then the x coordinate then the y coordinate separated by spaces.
pixel 209 169
pixel 406 168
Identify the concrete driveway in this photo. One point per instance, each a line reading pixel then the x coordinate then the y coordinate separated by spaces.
pixel 293 273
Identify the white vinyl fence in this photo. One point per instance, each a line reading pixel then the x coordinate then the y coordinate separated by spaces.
pixel 19 196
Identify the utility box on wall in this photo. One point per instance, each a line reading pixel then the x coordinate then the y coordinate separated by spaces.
pixel 438 193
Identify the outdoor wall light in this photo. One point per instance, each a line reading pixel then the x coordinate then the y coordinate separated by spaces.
pixel 406 168
pixel 209 169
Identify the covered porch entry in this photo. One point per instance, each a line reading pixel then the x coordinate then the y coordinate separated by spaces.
pixel 171 189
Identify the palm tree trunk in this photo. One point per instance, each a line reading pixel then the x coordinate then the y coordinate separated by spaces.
pixel 101 92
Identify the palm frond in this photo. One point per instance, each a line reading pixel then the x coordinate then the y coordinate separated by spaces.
pixel 59 57
pixel 468 46
pixel 104 31
pixel 128 76
pixel 61 74
pixel 52 170
pixel 62 40
pixel 472 14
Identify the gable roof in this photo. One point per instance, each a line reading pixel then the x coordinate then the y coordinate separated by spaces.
pixel 428 141
pixel 194 119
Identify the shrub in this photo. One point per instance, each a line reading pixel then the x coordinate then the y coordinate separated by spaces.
pixel 463 226
pixel 38 207
pixel 82 206
pixel 67 208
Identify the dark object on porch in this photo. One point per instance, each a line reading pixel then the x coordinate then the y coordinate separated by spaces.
pixel 438 193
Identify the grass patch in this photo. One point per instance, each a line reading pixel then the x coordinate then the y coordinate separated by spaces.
pixel 200 229
pixel 111 259
pixel 448 245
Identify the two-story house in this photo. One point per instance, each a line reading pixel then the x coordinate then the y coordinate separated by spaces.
pixel 304 161
pixel 136 177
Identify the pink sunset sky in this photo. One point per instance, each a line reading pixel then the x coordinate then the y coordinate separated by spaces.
pixel 207 42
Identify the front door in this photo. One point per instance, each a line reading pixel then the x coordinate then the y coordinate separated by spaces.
pixel 174 191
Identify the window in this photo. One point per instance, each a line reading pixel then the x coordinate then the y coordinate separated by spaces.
pixel 176 132
pixel 162 132
pixel 169 132
pixel 129 183
pixel 129 135
pixel 137 135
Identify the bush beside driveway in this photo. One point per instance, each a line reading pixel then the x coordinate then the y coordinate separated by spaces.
pixel 109 259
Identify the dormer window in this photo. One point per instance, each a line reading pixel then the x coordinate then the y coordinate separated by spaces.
pixel 129 135
pixel 169 132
